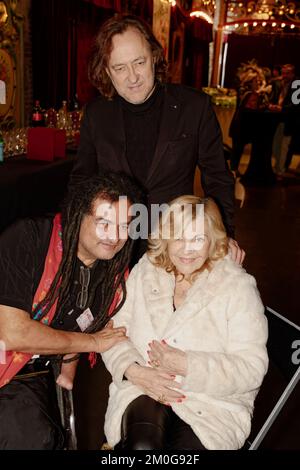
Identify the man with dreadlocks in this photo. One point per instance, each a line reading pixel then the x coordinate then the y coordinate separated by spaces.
pixel 62 278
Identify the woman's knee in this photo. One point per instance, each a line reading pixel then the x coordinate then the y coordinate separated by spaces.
pixel 144 425
pixel 143 436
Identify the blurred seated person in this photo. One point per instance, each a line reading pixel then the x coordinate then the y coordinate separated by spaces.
pixel 187 376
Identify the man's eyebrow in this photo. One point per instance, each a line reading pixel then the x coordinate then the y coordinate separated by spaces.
pixel 142 57
pixel 121 64
pixel 117 65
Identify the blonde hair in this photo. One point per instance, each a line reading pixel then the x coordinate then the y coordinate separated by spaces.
pixel 214 227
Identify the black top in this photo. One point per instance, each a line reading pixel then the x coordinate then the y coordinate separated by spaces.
pixel 23 250
pixel 141 130
pixel 189 136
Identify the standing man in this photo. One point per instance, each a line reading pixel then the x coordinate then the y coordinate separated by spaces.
pixel 62 278
pixel 156 132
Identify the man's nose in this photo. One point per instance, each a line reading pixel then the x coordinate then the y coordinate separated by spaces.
pixel 113 234
pixel 132 75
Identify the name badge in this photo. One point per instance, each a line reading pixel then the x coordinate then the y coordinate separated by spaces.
pixel 85 319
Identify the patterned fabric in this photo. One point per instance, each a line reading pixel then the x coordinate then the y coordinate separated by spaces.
pixel 16 360
pixel 116 300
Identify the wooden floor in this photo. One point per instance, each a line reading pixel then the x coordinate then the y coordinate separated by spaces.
pixel 268 228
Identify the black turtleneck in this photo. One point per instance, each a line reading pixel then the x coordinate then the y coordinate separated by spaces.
pixel 141 131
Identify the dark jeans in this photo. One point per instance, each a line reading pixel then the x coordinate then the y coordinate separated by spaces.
pixel 149 425
pixel 238 146
pixel 29 414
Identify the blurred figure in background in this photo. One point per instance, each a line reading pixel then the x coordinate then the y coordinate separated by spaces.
pixel 288 119
pixel 276 83
pixel 242 125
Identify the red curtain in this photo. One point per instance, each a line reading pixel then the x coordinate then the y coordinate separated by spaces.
pixel 85 91
pixel 60 59
pixel 111 4
pixel 197 36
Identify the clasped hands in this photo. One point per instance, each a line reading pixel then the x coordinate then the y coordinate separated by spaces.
pixel 158 381
pixel 167 358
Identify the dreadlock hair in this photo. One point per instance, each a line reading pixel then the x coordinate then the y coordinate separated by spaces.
pixel 109 274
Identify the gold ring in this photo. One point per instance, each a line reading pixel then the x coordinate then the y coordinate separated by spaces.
pixel 161 399
pixel 155 363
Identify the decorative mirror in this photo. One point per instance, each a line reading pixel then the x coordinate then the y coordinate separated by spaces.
pixel 11 65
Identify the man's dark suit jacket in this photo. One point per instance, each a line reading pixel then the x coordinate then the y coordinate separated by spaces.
pixel 189 136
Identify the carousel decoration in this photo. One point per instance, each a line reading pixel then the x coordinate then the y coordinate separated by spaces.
pixel 263 16
pixel 11 63
pixel 204 9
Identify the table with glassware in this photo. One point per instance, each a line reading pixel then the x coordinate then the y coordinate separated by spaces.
pixel 31 188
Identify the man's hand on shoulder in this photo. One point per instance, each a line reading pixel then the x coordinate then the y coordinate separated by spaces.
pixel 236 253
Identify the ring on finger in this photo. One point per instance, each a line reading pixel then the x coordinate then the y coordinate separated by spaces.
pixel 155 363
pixel 161 399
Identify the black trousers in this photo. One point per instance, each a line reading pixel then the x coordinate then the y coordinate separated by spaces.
pixel 149 425
pixel 29 414
pixel 238 146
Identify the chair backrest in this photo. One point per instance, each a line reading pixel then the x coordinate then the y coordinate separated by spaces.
pixel 66 408
pixel 284 351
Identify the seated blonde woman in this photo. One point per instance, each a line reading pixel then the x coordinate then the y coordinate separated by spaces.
pixel 196 355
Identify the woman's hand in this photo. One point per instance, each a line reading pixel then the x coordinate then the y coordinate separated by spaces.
pixel 155 383
pixel 169 359
pixel 108 337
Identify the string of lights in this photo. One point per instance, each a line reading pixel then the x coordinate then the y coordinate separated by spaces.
pixel 246 17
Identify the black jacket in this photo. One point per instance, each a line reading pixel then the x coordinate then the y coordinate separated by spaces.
pixel 189 136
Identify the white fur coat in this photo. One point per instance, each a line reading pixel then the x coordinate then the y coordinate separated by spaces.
pixel 221 326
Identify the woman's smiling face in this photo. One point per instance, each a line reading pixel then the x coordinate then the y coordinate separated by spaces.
pixel 189 252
